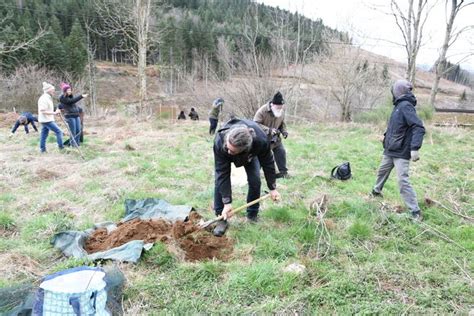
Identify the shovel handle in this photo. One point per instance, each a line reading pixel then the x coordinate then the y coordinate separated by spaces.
pixel 240 208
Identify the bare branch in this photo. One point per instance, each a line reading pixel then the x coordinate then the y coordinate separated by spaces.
pixel 22 45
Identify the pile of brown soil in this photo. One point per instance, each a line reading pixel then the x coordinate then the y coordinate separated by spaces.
pixel 195 243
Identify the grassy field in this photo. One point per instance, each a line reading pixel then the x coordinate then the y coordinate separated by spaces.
pixel 361 257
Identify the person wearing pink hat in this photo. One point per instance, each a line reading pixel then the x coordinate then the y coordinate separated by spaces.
pixel 71 112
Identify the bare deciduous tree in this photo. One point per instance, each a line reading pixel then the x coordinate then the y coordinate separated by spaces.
pixel 251 33
pixel 450 38
pixel 91 72
pixel 411 23
pixel 130 19
pixel 351 83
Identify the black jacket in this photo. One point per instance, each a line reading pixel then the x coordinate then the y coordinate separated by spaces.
pixel 260 150
pixel 193 115
pixel 405 130
pixel 69 105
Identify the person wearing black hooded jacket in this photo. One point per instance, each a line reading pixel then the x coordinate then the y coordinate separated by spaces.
pixel 243 143
pixel 403 139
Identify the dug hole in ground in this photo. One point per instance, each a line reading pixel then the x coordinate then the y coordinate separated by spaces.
pixel 183 238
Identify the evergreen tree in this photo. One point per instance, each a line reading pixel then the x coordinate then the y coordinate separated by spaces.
pixel 51 52
pixel 76 49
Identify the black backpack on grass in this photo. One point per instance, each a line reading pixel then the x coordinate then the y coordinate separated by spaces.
pixel 342 172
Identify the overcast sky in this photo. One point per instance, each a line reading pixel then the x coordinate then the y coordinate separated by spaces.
pixel 376 31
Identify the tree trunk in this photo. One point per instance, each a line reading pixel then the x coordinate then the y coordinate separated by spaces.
pixel 440 65
pixel 91 74
pixel 143 13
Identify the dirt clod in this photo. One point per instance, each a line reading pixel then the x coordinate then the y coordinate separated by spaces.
pixel 197 244
pixel 45 174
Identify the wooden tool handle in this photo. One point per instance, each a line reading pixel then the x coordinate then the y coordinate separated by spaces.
pixel 240 208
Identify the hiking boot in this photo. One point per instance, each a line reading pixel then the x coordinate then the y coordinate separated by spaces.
pixel 282 175
pixel 220 228
pixel 377 194
pixel 416 216
pixel 252 219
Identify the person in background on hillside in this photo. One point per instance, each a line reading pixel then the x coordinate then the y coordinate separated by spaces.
pixel 181 116
pixel 46 115
pixel 25 119
pixel 402 141
pixel 193 115
pixel 71 112
pixel 271 118
pixel 243 143
pixel 214 114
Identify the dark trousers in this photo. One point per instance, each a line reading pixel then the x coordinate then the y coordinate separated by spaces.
pixel 253 178
pixel 212 126
pixel 279 153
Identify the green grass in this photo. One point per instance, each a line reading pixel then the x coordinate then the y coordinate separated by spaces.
pixel 6 221
pixel 367 259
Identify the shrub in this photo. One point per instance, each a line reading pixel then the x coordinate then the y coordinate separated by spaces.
pixel 425 112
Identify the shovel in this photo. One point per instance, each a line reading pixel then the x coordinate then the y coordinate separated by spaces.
pixel 240 208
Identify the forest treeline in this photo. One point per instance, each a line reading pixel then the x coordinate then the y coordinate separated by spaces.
pixel 183 34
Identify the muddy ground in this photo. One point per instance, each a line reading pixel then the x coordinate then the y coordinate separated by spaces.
pixel 196 244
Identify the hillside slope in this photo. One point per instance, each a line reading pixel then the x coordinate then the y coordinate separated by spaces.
pixel 311 87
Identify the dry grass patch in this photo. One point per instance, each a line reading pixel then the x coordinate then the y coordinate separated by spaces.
pixel 14 265
pixel 45 174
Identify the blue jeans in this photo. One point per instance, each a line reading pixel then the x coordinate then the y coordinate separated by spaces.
pixel 75 127
pixel 45 128
pixel 253 178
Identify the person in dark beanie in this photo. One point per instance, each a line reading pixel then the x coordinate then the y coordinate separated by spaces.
pixel 193 115
pixel 214 114
pixel 25 119
pixel 243 143
pixel 402 141
pixel 271 118
pixel 71 112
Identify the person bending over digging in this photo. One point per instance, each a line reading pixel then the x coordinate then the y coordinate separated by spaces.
pixel 25 119
pixel 243 143
pixel 401 143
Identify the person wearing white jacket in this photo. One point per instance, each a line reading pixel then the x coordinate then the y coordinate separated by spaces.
pixel 46 115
